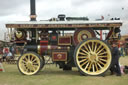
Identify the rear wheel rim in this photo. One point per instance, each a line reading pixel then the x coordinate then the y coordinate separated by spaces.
pixel 93 57
pixel 29 64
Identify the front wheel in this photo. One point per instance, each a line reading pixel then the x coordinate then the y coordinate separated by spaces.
pixel 93 57
pixel 29 63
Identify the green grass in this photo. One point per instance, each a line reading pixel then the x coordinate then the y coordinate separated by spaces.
pixel 52 75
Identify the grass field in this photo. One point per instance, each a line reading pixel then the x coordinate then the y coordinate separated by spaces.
pixel 52 75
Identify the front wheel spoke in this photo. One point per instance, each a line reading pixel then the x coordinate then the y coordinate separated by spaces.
pixel 29 57
pixel 23 67
pixel 83 60
pixel 27 70
pixel 35 63
pixel 35 67
pixel 23 61
pixel 34 60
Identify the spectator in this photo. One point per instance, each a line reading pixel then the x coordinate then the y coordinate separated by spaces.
pixel 115 60
pixel 9 56
pixel 5 52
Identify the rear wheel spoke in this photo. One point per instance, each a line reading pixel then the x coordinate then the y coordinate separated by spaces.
pixel 90 65
pixel 93 67
pixel 84 63
pixel 83 60
pixel 103 60
pixel 86 66
pixel 89 48
pixel 96 66
pixel 82 53
pixel 102 53
pixel 82 57
pixel 86 48
pixel 98 48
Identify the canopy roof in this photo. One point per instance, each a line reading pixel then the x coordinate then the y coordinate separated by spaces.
pixel 64 24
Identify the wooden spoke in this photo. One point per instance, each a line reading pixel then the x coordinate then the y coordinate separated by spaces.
pixel 82 53
pixel 83 60
pixel 86 48
pixel 103 56
pixel 103 60
pixel 92 46
pixel 98 48
pixel 29 58
pixel 95 64
pixel 93 67
pixel 25 59
pixel 86 66
pixel 24 62
pixel 89 48
pixel 102 53
pixel 99 65
pixel 90 65
pixel 35 63
pixel 82 57
pixel 95 47
pixel 84 63
pixel 32 58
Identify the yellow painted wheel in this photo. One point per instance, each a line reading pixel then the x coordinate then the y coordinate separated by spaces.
pixel 93 57
pixel 29 63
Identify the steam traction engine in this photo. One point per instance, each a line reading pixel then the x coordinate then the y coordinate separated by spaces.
pixel 69 41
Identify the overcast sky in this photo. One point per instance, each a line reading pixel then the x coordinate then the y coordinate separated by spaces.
pixel 19 10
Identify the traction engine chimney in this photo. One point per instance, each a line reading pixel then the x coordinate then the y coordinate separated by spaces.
pixel 32 10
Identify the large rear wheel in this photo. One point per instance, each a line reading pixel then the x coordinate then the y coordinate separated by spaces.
pixel 93 57
pixel 29 63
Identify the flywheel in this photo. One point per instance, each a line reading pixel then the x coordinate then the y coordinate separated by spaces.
pixel 82 34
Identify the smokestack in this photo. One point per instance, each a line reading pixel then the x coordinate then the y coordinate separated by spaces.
pixel 32 10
